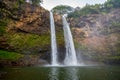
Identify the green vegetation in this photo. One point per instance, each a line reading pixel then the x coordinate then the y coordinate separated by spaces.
pixel 118 47
pixel 10 55
pixel 112 4
pixel 21 1
pixel 88 9
pixel 27 41
pixel 62 9
pixel 8 12
pixel 115 27
pixel 113 57
pixel 36 2
pixel 3 25
pixel 95 9
pixel 2 30
pixel 60 38
pixel 17 4
pixel 115 24
pixel 79 46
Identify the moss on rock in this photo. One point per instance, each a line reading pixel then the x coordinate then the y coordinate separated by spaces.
pixel 10 55
pixel 30 43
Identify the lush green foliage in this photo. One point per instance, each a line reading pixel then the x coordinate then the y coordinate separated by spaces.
pixel 27 41
pixel 10 55
pixel 112 4
pixel 91 9
pixel 3 24
pixel 2 30
pixel 17 4
pixel 22 1
pixel 36 2
pixel 88 9
pixel 62 9
pixel 95 9
pixel 60 38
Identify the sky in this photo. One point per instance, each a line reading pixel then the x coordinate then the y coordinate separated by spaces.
pixel 49 4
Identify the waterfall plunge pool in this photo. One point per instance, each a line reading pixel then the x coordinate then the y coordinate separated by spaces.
pixel 61 73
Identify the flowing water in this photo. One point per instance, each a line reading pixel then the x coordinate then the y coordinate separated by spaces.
pixel 70 58
pixel 53 41
pixel 62 73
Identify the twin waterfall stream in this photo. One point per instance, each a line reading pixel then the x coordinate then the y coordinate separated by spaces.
pixel 70 58
pixel 53 41
pixel 70 55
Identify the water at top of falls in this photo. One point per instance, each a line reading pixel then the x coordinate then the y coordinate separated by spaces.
pixel 70 58
pixel 54 55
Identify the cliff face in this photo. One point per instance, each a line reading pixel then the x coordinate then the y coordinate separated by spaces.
pixel 25 29
pixel 32 19
pixel 25 18
pixel 97 36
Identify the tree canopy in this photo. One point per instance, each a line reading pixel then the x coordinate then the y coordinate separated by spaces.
pixel 62 9
pixel 36 2
pixel 96 9
pixel 112 4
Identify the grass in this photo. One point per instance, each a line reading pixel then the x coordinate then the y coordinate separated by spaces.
pixel 10 55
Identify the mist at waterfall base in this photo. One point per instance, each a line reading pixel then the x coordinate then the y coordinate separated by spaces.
pixel 71 58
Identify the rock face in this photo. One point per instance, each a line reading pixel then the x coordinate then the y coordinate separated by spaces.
pixel 27 31
pixel 33 19
pixel 97 36
pixel 24 18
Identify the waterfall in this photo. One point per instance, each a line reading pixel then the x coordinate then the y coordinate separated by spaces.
pixel 70 58
pixel 54 56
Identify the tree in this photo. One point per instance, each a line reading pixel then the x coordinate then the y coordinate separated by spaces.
pixel 21 2
pixel 62 9
pixel 112 4
pixel 96 9
pixel 36 2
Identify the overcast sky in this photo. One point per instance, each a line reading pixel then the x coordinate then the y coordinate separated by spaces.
pixel 49 4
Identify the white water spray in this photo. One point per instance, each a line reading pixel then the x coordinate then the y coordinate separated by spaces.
pixel 53 41
pixel 70 58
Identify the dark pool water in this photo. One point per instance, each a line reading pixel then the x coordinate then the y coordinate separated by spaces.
pixel 61 73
